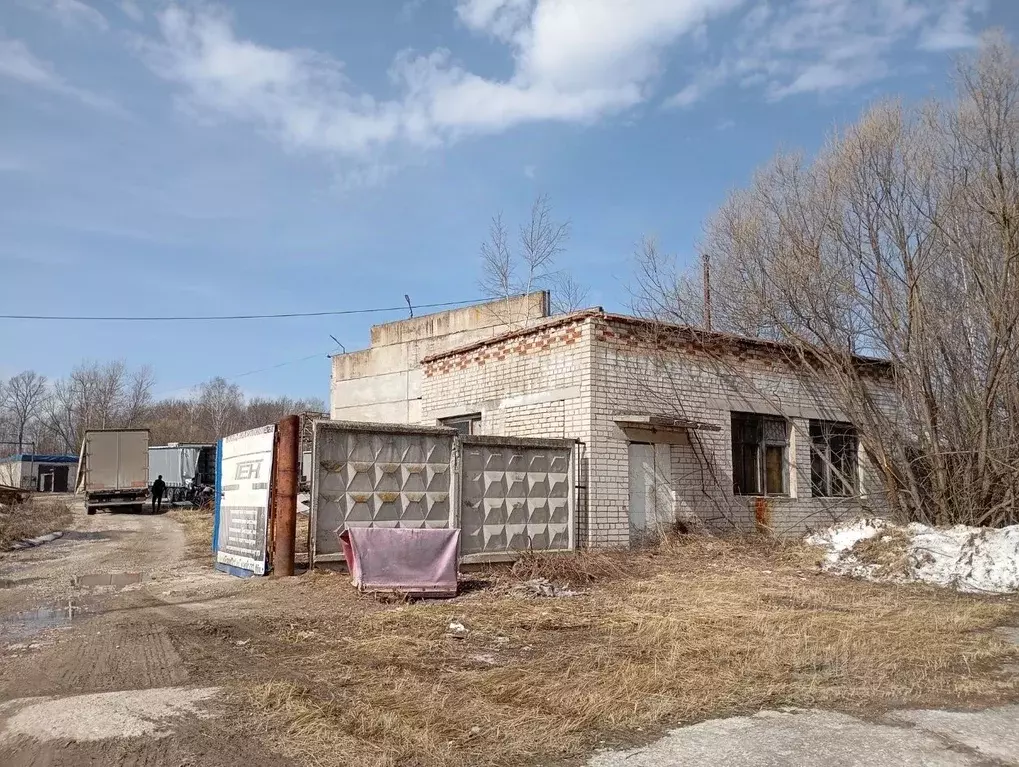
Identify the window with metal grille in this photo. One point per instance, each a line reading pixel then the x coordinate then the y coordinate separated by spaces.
pixel 465 424
pixel 760 454
pixel 834 448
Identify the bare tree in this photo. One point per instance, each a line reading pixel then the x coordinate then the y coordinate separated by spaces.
pixel 175 420
pixel 899 241
pixel 22 400
pixel 137 398
pixel 221 404
pixel 97 396
pixel 532 265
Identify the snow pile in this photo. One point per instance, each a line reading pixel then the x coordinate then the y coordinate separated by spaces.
pixel 973 559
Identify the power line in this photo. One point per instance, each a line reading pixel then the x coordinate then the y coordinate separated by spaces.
pixel 242 375
pixel 220 317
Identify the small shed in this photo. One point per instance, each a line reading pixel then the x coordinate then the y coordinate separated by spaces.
pixel 39 472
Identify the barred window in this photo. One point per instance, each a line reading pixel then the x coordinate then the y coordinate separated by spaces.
pixel 760 454
pixel 833 459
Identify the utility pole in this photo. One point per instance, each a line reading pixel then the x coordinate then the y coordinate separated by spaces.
pixel 286 475
pixel 706 265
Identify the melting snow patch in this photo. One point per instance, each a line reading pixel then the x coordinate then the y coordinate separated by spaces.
pixel 972 559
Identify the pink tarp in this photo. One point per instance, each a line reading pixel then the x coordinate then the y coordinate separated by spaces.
pixel 420 562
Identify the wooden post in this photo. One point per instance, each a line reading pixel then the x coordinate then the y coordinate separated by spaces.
pixel 285 500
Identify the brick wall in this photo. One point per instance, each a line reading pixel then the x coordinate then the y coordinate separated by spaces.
pixel 535 386
pixel 631 375
pixel 573 379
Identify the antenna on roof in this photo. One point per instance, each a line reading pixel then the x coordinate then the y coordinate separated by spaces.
pixel 407 299
pixel 342 347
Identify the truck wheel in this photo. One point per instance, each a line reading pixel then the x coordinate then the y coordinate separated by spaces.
pixel 90 510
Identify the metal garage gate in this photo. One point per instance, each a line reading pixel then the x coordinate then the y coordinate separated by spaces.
pixel 378 475
pixel 516 495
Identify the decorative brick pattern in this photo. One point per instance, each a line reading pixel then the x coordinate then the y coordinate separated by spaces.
pixel 541 340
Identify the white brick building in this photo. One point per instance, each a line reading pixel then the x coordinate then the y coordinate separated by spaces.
pixel 657 410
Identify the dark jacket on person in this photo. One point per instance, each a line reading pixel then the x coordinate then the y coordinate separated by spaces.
pixel 158 487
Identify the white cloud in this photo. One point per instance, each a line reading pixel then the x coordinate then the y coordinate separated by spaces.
pixel 531 171
pixel 501 18
pixel 827 76
pixel 725 124
pixel 953 28
pixel 300 96
pixel 574 61
pixel 687 97
pixel 605 43
pixel 409 10
pixel 826 46
pixel 18 63
pixel 132 10
pixel 70 13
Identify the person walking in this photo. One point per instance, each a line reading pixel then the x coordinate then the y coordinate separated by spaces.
pixel 158 488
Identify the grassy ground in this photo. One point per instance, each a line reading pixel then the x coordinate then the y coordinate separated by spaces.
pixel 699 629
pixel 27 520
pixel 197 524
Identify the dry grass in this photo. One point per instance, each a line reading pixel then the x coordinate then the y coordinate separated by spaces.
pixel 579 569
pixel 697 629
pixel 28 520
pixel 888 550
pixel 197 525
pixel 301 542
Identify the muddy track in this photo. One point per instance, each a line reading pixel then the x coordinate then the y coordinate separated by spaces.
pixel 99 670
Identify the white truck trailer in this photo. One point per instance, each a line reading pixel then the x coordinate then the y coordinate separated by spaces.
pixel 113 469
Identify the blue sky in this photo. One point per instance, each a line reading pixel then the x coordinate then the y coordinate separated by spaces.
pixel 316 155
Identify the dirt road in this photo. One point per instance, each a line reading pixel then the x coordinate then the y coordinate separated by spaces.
pixel 121 646
pixel 99 630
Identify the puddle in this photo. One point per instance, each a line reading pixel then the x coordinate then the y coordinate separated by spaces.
pixel 31 622
pixel 98 580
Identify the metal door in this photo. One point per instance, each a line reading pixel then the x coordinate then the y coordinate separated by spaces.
pixel 642 487
pixel 650 491
pixel 60 475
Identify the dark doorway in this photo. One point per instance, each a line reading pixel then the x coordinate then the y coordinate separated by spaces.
pixel 60 479
pixel 53 479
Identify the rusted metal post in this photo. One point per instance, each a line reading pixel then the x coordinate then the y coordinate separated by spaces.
pixel 285 497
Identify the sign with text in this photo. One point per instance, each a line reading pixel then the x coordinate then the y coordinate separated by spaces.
pixel 243 503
